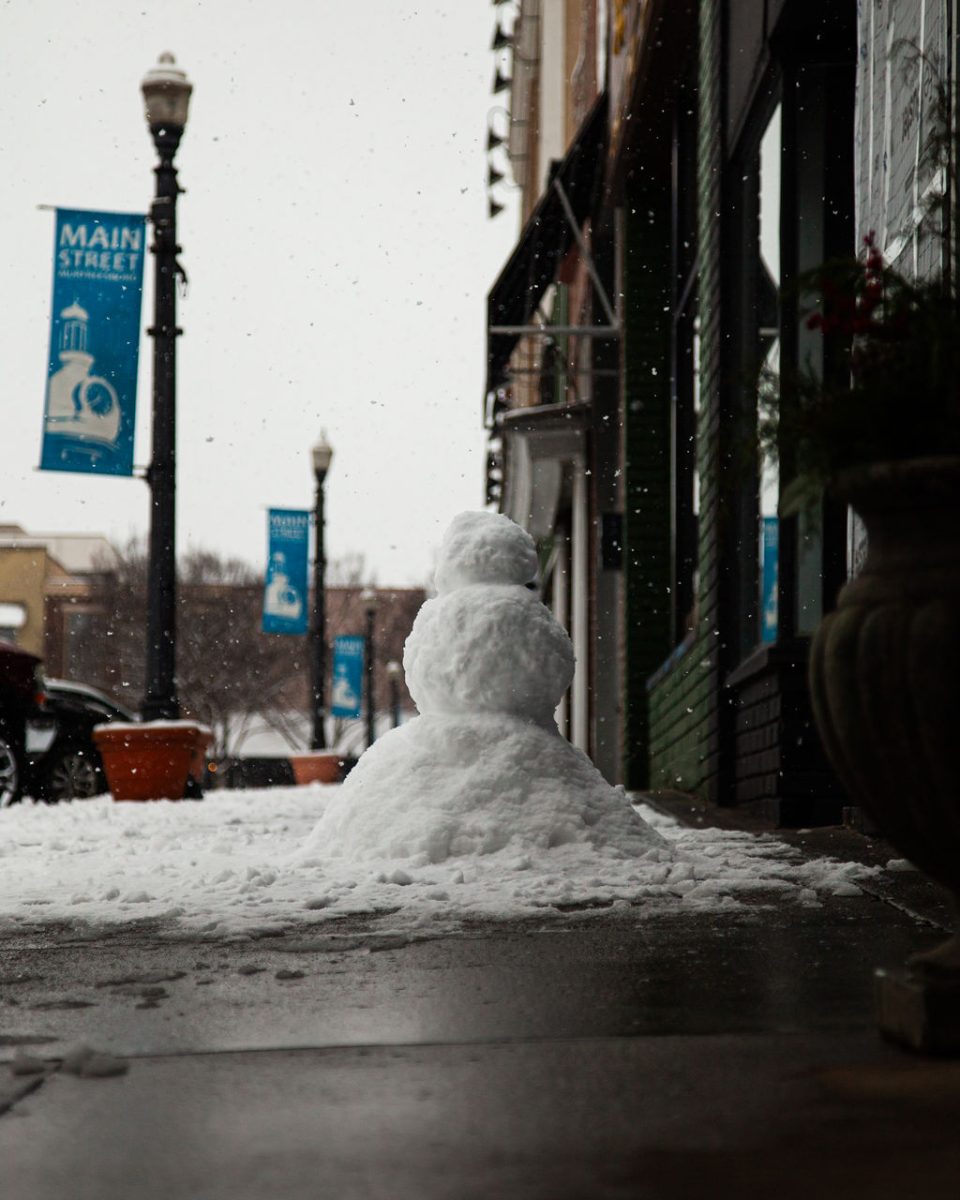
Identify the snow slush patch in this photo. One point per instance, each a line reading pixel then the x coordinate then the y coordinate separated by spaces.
pixel 234 865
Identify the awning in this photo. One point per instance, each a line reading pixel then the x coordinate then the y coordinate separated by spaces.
pixel 545 239
pixel 540 444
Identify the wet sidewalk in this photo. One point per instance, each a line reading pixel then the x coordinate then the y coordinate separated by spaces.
pixel 612 1053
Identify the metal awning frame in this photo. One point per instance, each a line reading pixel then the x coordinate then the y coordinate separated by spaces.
pixel 551 230
pixel 610 330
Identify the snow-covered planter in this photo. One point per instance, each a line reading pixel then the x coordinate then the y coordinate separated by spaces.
pixel 156 760
pixel 319 766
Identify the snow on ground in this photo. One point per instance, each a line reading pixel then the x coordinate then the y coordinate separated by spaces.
pixel 476 808
pixel 235 865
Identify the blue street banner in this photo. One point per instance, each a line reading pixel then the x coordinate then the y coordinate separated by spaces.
pixel 768 609
pixel 285 589
pixel 91 399
pixel 348 652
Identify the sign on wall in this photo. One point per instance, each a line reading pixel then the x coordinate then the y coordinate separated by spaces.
pixel 348 654
pixel 91 394
pixel 769 572
pixel 285 588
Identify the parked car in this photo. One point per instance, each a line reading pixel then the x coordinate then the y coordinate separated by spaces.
pixel 62 761
pixel 21 699
pixel 46 732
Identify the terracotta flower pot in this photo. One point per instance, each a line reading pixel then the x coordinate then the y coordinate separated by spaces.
pixel 319 766
pixel 885 666
pixel 153 761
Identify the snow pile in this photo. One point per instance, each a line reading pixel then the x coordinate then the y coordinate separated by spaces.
pixel 231 866
pixel 478 807
pixel 483 769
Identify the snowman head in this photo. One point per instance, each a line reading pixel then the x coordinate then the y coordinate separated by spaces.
pixel 482 547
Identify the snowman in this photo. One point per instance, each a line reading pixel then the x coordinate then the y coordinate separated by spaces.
pixel 483 769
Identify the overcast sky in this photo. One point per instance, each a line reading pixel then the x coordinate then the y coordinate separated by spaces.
pixel 336 239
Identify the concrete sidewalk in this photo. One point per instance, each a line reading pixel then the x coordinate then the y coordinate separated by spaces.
pixel 605 1054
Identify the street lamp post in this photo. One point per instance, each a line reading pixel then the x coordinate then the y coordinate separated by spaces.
pixel 166 94
pixel 393 674
pixel 369 598
pixel 322 454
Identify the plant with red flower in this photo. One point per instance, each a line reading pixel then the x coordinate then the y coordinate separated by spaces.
pixel 883 385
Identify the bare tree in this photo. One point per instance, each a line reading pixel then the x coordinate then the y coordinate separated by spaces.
pixel 230 674
pixel 228 671
pixel 348 571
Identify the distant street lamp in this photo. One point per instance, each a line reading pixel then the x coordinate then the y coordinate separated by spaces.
pixel 369 598
pixel 322 454
pixel 394 671
pixel 166 94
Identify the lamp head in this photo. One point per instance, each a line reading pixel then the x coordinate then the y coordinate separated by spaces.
pixel 370 599
pixel 166 98
pixel 322 455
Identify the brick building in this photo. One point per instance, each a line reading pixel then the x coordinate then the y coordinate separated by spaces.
pixel 50 598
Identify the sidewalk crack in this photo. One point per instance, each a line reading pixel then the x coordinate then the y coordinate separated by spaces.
pixel 18 1090
pixel 884 898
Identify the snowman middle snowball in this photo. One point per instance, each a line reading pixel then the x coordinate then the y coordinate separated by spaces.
pixel 486 644
pixel 488 648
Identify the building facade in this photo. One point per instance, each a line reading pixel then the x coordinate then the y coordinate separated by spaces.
pixel 638 334
pixel 51 599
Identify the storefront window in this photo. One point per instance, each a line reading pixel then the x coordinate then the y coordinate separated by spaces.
pixel 769 336
pixel 84 642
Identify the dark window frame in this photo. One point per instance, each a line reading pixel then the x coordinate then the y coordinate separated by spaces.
pixel 746 351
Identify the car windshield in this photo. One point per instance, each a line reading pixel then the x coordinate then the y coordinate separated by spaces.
pixel 87 698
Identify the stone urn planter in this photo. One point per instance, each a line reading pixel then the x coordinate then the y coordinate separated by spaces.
pixel 885 686
pixel 157 760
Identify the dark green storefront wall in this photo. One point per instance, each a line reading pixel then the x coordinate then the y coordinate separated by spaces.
pixel 646 433
pixel 683 702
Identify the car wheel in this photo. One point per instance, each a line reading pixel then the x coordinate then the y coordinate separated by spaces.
pixel 70 774
pixel 10 773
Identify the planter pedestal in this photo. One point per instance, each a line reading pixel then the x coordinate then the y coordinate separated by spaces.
pixel 885 686
pixel 319 766
pixel 919 1011
pixel 160 760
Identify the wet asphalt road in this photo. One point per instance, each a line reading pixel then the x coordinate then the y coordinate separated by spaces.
pixel 144 989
